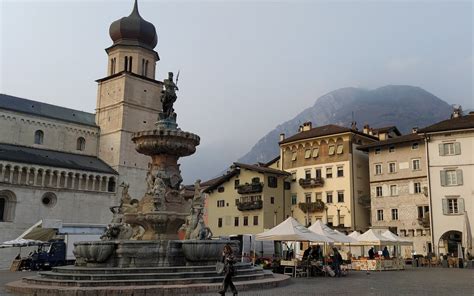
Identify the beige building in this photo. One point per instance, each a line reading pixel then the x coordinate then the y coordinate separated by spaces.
pixel 450 150
pixel 399 189
pixel 60 163
pixel 329 176
pixel 248 199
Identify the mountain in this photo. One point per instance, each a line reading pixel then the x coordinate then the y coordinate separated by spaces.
pixel 400 105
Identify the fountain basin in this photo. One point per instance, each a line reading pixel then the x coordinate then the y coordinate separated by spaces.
pixel 93 252
pixel 165 141
pixel 205 252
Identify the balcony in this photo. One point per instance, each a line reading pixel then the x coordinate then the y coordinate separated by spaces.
pixel 250 205
pixel 424 221
pixel 311 207
pixel 250 188
pixel 311 182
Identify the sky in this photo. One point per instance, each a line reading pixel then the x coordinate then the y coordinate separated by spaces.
pixel 245 66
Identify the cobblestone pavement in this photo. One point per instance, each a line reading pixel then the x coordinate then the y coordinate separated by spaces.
pixel 413 281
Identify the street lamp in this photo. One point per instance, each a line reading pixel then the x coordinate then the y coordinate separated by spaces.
pixel 338 208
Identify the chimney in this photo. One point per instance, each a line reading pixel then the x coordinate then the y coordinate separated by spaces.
pixel 366 129
pixel 300 129
pixel 457 111
pixel 414 130
pixel 371 131
pixel 282 136
pixel 307 126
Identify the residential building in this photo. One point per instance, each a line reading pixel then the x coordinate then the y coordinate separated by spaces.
pixel 450 151
pixel 399 189
pixel 329 176
pixel 248 199
pixel 60 163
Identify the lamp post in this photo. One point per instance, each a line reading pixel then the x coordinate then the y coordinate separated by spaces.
pixel 338 208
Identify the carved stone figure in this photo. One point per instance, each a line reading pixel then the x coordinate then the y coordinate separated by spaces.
pixel 126 198
pixel 117 231
pixel 129 208
pixel 149 182
pixel 168 96
pixel 138 232
pixel 198 199
pixel 159 193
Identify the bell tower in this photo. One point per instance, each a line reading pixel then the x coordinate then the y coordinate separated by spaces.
pixel 128 98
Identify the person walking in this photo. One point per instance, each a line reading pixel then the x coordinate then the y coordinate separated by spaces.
pixel 337 261
pixel 229 270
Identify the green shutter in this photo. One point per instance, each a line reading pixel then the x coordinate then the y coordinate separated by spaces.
pixel 443 177
pixel 461 205
pixel 459 177
pixel 457 148
pixel 445 206
pixel 441 149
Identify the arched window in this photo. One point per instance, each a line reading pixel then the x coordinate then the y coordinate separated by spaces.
pixel 81 144
pixel 111 185
pixel 39 135
pixel 146 68
pixel 143 67
pixel 7 206
pixel 130 59
pixel 126 64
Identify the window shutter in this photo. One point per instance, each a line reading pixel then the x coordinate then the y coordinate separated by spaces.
pixel 441 149
pixel 459 177
pixel 457 148
pixel 385 190
pixel 443 177
pixel 445 206
pixel 461 205
pixel 411 187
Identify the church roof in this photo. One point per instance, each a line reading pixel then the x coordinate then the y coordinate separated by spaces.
pixel 30 155
pixel 46 110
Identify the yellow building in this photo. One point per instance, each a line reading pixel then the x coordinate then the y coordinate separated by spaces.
pixel 329 176
pixel 248 199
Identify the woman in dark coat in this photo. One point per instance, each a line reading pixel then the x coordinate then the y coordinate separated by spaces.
pixel 229 270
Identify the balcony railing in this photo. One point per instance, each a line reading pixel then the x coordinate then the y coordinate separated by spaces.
pixel 250 205
pixel 250 188
pixel 311 182
pixel 424 221
pixel 311 207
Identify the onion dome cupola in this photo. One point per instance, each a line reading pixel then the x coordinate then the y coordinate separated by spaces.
pixel 133 30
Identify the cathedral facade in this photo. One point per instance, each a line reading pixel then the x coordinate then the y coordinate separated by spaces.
pixel 60 163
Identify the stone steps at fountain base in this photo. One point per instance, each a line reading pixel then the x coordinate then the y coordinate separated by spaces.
pixel 270 280
pixel 54 275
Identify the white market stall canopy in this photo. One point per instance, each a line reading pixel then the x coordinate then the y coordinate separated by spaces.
pixel 322 229
pixel 372 237
pixel 291 230
pixel 396 238
pixel 20 242
pixel 354 234
pixel 41 231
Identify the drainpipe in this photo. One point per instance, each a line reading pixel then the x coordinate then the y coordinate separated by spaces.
pixel 354 226
pixel 429 197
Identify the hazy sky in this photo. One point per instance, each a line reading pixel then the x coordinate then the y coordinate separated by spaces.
pixel 246 66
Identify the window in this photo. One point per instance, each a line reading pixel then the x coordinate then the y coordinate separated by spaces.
pixel 307 153
pixel 329 222
pixel 219 222
pixel 236 183
pixel 256 180
pixel 391 149
pixel 246 221
pixel 255 220
pixel 340 171
pixel 272 200
pixel 329 173
pixel 392 167
pixel 340 148
pixel 393 190
pixel 378 169
pixel 328 197
pixel 332 149
pixel 451 177
pixel 446 149
pixel 318 174
pixel 220 203
pixel 341 221
pixel 394 214
pixel 417 187
pixel 414 146
pixel 423 211
pixel 236 221
pixel 415 164
pixel 378 191
pixel 315 152
pixel 307 197
pixel 319 196
pixel 272 182
pixel 287 185
pixel 453 207
pixel 220 189
pixel 3 202
pixel 130 64
pixel 39 135
pixel 294 199
pixel 293 156
pixel 125 64
pixel 377 151
pixel 307 174
pixel 379 215
pixel 81 144
pixel 293 176
pixel 236 201
pixel 340 196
